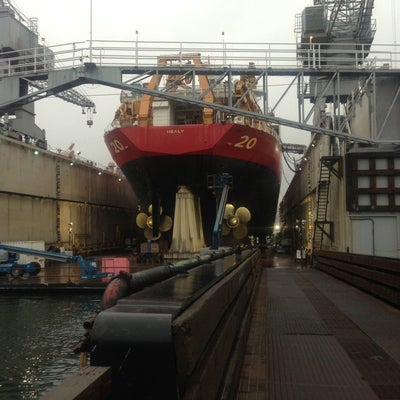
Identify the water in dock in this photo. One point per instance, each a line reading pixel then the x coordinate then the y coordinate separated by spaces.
pixel 38 334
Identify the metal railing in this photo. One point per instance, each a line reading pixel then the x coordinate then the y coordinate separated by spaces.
pixel 7 133
pixel 144 54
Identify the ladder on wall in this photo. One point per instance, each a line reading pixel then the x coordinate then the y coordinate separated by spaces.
pixel 329 165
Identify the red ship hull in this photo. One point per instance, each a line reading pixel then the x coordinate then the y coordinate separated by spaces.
pixel 159 159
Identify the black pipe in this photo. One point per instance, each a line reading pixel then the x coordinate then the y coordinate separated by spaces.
pixel 125 284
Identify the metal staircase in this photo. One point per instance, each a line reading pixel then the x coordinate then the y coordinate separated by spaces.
pixel 328 165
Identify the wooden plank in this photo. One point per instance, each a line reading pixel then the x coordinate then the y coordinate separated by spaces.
pixel 392 281
pixel 379 276
pixel 379 263
pixel 193 328
pixel 385 293
pixel 214 318
pixel 214 360
pixel 91 383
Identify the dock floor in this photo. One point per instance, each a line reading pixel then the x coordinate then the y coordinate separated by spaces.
pixel 315 337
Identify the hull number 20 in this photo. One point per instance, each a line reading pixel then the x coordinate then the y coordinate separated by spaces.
pixel 117 146
pixel 246 142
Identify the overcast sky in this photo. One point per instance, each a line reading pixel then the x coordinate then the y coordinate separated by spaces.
pixel 252 21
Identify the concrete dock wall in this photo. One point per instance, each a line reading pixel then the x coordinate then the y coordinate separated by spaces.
pixel 61 200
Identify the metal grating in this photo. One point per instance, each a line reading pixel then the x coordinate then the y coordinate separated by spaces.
pixel 377 368
pixel 305 348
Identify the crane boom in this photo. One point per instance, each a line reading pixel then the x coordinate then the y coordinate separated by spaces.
pixel 342 30
pixel 348 19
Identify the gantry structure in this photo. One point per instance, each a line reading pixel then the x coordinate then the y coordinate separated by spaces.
pixel 325 65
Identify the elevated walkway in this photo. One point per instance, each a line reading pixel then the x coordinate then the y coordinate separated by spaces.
pixel 127 65
pixel 315 337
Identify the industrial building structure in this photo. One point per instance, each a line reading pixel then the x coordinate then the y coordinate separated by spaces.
pixel 345 195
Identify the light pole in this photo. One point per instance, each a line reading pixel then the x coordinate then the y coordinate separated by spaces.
pixel 223 50
pixel 300 224
pixel 70 240
pixel 91 33
pixel 137 51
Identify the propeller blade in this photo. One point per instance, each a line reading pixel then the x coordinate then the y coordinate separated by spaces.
pixel 229 210
pixel 240 232
pixel 149 222
pixel 148 234
pixel 141 220
pixel 166 223
pixel 225 230
pixel 243 214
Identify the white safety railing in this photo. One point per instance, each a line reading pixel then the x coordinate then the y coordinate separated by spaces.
pixel 7 133
pixel 41 60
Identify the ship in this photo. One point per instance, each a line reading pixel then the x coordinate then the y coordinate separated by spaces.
pixel 171 150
